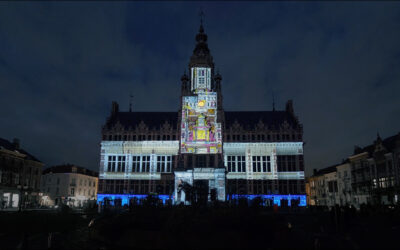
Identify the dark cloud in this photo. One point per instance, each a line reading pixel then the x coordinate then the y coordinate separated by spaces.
pixel 61 65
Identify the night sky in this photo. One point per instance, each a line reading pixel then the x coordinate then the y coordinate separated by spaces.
pixel 62 64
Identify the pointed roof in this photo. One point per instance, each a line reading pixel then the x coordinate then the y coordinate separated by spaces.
pixel 389 143
pixel 201 54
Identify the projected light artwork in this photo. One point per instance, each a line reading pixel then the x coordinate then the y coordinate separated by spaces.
pixel 201 134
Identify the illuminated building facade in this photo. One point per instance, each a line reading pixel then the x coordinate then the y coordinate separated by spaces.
pixel 370 176
pixel 202 152
pixel 68 184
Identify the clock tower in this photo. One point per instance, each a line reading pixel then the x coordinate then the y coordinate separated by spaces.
pixel 200 152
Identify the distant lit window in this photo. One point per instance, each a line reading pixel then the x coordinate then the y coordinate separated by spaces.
pixel 72 191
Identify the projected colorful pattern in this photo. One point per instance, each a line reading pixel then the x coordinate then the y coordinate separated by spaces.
pixel 201 134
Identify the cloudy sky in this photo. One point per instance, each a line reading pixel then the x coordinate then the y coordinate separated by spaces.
pixel 62 64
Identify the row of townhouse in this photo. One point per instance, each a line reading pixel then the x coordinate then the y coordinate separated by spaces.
pixel 370 176
pixel 26 183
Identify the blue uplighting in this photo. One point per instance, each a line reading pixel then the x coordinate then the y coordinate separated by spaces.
pixel 276 198
pixel 126 197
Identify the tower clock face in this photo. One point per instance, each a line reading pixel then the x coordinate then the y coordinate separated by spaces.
pixel 202 103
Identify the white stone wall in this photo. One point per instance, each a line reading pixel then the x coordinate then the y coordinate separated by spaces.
pixel 344 184
pixel 64 183
pixel 263 149
pixel 135 148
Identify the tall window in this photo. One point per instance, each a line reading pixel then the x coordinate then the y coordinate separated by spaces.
pixel 164 163
pixel 291 163
pixel 231 163
pixel 261 164
pixel 281 163
pixel 287 163
pixel 236 163
pixel 160 163
pixel 120 164
pixel 256 163
pixel 146 164
pixel 241 163
pixel 135 163
pixel 116 163
pixel 266 163
pixel 111 163
pixel 301 163
pixel 168 167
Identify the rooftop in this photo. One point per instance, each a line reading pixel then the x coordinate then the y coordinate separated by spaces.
pixel 14 146
pixel 69 168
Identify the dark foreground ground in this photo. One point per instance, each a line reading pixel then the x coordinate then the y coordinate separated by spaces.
pixel 199 228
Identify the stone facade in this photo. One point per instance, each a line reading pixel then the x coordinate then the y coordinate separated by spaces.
pixel 19 176
pixel 369 176
pixel 68 184
pixel 202 146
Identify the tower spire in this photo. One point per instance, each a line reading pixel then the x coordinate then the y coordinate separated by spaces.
pixel 201 56
pixel 201 14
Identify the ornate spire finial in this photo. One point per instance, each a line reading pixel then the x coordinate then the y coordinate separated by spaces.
pixel 130 102
pixel 201 14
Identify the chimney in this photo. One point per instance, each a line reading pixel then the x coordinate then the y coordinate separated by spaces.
pixel 114 108
pixel 16 143
pixel 289 107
